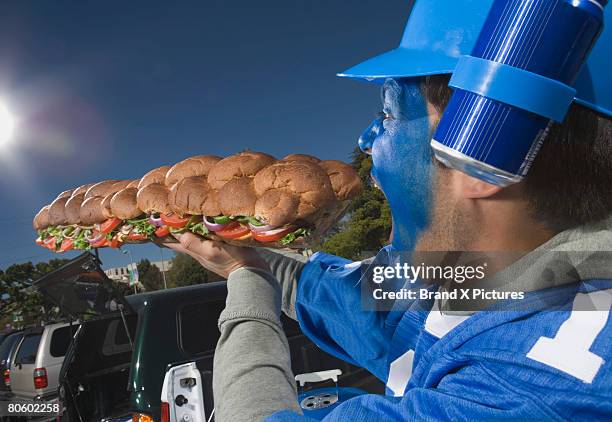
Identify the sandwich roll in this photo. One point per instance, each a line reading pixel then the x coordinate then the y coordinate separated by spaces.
pixel 82 189
pixel 124 204
pixel 57 212
pixel 73 208
pixel 41 220
pixel 277 207
pixel 92 211
pixel 244 164
pixel 307 181
pixel 301 157
pixel 116 187
pixel 344 179
pixel 105 205
pixel 133 183
pixel 247 199
pixel 153 198
pixel 187 197
pixel 199 165
pixel 210 206
pixel 157 175
pixel 237 197
pixel 101 188
pixel 66 194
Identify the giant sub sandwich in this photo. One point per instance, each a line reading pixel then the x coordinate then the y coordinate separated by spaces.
pixel 248 199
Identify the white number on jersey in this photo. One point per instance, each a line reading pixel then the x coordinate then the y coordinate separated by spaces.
pixel 568 350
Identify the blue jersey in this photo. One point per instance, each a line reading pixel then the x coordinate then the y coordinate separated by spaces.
pixel 493 365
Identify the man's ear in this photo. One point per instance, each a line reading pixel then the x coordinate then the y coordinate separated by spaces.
pixel 473 188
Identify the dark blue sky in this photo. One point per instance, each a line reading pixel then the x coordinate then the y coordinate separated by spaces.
pixel 112 89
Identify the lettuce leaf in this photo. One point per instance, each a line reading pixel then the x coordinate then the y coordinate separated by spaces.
pixel 199 228
pixel 80 241
pixel 142 226
pixel 291 237
pixel 246 220
pixel 222 219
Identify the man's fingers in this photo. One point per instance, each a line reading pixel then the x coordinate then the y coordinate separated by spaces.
pixel 191 242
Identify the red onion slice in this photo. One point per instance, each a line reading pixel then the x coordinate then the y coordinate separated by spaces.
pixel 95 239
pixel 260 229
pixel 157 222
pixel 214 227
pixel 273 232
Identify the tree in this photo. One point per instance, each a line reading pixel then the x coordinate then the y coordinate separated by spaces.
pixel 149 275
pixel 17 298
pixel 186 271
pixel 368 223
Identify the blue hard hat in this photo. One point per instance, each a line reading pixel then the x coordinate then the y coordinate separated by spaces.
pixel 438 32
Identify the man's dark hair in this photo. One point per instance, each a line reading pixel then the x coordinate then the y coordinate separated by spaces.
pixel 570 182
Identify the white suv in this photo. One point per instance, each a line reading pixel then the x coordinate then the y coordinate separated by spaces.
pixel 34 371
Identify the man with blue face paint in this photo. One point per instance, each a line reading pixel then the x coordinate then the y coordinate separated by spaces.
pixel 547 361
pixel 403 130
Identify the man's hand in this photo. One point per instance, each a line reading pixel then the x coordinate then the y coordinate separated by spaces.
pixel 217 257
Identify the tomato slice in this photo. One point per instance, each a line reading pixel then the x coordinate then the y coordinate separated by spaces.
pixel 137 237
pixel 49 243
pixel 162 231
pixel 115 242
pixel 174 221
pixel 271 235
pixel 110 225
pixel 67 245
pixel 39 241
pixel 233 231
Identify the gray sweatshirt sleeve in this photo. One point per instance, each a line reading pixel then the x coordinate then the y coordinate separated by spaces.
pixel 252 367
pixel 286 268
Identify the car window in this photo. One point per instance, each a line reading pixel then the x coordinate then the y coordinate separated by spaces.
pixel 7 346
pixel 199 331
pixel 28 349
pixel 60 340
pixel 116 339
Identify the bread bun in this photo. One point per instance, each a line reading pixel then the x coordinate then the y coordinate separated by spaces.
pixel 41 220
pixel 344 179
pixel 73 209
pixel 238 197
pixel 153 198
pixel 199 165
pixel 82 189
pixel 243 164
pixel 305 180
pixel 116 187
pixel 301 157
pixel 101 188
pixel 124 204
pixel 157 175
pixel 57 212
pixel 92 211
pixel 65 194
pixel 210 207
pixel 189 195
pixel 277 207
